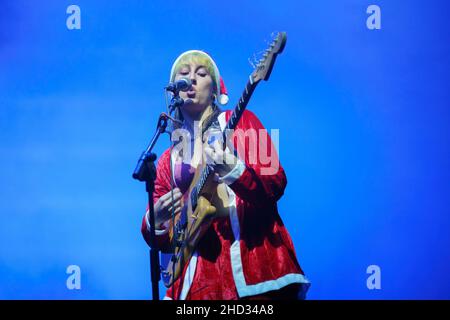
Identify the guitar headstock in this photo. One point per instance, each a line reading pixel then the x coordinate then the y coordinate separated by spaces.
pixel 265 64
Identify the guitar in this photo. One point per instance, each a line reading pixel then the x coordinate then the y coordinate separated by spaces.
pixel 197 211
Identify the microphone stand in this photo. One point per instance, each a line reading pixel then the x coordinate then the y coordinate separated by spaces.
pixel 145 171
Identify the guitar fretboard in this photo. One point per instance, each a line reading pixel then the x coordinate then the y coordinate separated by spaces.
pixel 231 125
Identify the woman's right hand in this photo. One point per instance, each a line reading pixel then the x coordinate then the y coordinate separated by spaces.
pixel 164 205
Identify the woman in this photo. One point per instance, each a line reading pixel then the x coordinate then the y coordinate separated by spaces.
pixel 247 252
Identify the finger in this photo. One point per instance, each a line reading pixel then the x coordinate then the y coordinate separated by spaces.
pixel 168 213
pixel 176 196
pixel 174 192
pixel 218 149
pixel 176 204
pixel 214 153
pixel 175 210
pixel 159 203
pixel 209 152
pixel 165 197
pixel 168 200
pixel 217 145
pixel 208 149
pixel 166 204
pixel 218 156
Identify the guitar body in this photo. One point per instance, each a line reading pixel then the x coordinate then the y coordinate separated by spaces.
pixel 197 222
pixel 207 199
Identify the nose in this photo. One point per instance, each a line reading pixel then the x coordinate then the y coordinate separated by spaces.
pixel 193 78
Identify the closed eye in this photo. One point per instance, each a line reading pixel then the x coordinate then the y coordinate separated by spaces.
pixel 202 72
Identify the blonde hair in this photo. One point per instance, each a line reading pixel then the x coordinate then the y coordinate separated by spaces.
pixel 200 58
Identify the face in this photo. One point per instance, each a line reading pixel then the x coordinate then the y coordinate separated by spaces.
pixel 200 95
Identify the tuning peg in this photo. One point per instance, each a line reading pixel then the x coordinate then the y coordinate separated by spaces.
pixel 253 61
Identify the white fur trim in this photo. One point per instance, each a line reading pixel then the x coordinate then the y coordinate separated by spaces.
pixel 223 99
pixel 173 158
pixel 239 168
pixel 234 174
pixel 189 276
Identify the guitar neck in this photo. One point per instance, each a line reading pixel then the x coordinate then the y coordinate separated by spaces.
pixel 241 105
pixel 231 124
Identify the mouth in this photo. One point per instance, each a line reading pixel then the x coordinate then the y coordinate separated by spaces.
pixel 191 93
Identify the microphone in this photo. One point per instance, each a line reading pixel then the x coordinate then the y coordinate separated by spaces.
pixel 184 84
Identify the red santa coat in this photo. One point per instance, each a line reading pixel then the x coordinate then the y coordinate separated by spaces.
pixel 250 252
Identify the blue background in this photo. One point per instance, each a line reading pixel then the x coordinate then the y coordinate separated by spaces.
pixel 364 137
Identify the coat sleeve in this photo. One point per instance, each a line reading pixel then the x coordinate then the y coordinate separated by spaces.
pixel 258 177
pixel 162 186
